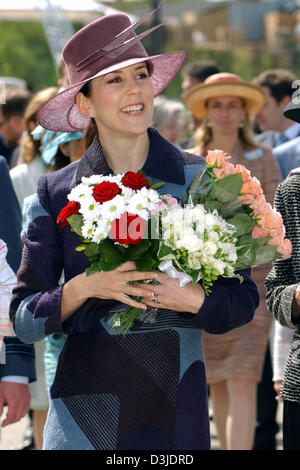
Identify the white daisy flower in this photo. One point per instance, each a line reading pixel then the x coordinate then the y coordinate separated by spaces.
pixel 114 208
pixel 80 192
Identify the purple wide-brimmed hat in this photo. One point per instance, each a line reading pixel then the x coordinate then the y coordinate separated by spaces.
pixel 105 45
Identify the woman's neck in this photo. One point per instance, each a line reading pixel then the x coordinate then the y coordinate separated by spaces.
pixel 125 153
pixel 225 142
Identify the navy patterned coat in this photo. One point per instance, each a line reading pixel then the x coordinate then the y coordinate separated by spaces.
pixel 147 390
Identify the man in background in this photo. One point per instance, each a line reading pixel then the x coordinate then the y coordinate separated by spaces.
pixel 12 122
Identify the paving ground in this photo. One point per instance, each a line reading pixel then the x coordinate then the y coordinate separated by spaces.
pixel 12 435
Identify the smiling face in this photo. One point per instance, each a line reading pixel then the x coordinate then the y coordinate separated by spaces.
pixel 121 102
pixel 225 114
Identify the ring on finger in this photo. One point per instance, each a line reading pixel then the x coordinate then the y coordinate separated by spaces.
pixel 154 298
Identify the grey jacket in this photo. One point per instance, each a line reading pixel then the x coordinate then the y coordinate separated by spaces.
pixel 282 281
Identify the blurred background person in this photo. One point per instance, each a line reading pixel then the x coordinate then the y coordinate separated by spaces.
pixel 276 129
pixel 283 135
pixel 234 361
pixel 197 72
pixel 283 297
pixel 193 73
pixel 19 368
pixel 12 121
pixel 171 119
pixel 25 175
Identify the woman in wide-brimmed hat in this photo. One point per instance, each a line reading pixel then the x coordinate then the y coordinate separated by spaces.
pixel 146 390
pixel 226 105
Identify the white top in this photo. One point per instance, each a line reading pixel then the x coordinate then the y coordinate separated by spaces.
pixel 282 341
pixel 24 178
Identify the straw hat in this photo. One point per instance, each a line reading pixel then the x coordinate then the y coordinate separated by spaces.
pixel 104 45
pixel 223 84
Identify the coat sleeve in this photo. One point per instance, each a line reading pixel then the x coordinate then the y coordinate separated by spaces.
pixel 281 281
pixel 230 304
pixel 19 359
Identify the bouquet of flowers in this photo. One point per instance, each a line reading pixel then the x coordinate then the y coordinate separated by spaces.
pixel 122 217
pixel 225 225
pixel 238 198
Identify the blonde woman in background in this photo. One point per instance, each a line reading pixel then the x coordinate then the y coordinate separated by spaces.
pixel 234 360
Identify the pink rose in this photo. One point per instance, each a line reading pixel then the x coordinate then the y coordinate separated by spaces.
pixel 216 158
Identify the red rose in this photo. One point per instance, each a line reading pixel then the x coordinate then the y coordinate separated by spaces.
pixel 129 229
pixel 105 191
pixel 135 180
pixel 70 209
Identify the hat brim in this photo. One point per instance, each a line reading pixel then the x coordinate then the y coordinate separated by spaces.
pixel 61 113
pixel 196 97
pixel 292 111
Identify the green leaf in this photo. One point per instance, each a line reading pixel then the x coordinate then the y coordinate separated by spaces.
pixel 157 185
pixel 80 248
pixel 76 222
pixel 260 241
pixel 243 223
pixel 110 256
pixel 165 252
pixel 231 208
pixel 134 252
pixel 242 250
pixel 265 254
pixel 245 240
pixel 145 263
pixel 201 187
pixel 228 188
pixel 91 250
pixel 246 260
pixel 92 269
pixel 211 204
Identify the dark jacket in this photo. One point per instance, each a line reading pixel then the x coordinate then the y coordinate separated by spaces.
pixel 19 356
pixel 283 280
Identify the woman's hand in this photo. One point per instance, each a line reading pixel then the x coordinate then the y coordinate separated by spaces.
pixel 171 296
pixel 106 285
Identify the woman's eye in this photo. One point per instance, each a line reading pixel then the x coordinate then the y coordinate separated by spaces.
pixel 143 75
pixel 114 80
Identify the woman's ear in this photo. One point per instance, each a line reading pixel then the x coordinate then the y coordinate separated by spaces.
pixel 84 105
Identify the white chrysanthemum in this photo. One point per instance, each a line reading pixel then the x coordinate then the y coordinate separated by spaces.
pixel 91 210
pixel 140 205
pixel 101 232
pixel 114 208
pixel 127 193
pixel 80 193
pixel 97 179
pixel 88 230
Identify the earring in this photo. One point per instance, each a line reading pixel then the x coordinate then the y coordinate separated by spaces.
pixel 208 124
pixel 241 125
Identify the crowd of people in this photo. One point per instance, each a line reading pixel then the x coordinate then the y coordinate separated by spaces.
pixel 83 386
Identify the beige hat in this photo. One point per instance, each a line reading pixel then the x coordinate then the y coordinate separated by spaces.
pixel 223 84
